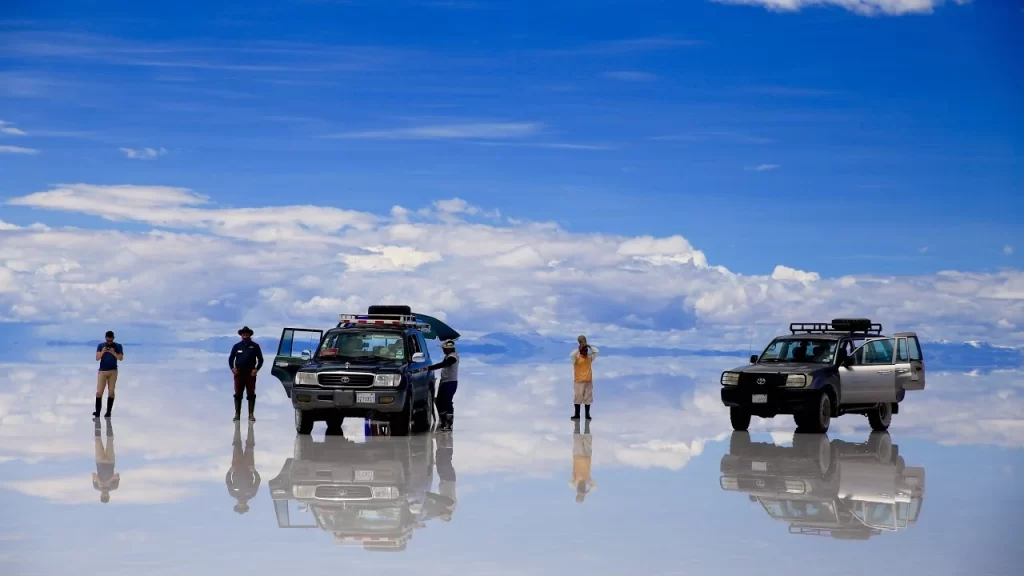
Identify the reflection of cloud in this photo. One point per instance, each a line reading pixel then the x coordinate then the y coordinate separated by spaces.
pixel 174 432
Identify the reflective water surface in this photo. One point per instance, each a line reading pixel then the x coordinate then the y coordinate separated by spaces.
pixel 656 483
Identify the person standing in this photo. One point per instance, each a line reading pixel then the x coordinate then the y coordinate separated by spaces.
pixel 243 480
pixel 107 354
pixel 583 375
pixel 245 360
pixel 445 400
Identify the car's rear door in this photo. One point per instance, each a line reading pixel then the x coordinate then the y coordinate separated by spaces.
pixel 913 377
pixel 296 347
pixel 871 379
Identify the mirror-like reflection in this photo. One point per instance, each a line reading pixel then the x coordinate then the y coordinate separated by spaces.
pixel 243 480
pixel 582 456
pixel 845 490
pixel 372 493
pixel 105 479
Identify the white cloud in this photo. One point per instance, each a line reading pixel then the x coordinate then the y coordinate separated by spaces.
pixel 18 150
pixel 1008 250
pixel 862 7
pixel 630 76
pixel 450 132
pixel 267 265
pixel 9 129
pixel 763 167
pixel 143 153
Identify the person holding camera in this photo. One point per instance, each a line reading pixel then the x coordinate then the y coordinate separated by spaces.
pixel 583 375
pixel 107 354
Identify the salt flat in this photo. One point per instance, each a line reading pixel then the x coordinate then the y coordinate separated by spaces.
pixel 674 490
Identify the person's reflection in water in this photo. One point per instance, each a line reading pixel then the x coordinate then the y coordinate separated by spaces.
pixel 582 449
pixel 243 481
pixel 443 505
pixel 104 479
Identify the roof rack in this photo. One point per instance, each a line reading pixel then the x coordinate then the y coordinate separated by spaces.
pixel 838 326
pixel 407 320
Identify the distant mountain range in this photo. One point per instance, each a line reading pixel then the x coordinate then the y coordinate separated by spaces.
pixel 511 348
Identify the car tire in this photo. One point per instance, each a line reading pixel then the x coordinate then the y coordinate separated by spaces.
pixel 739 418
pixel 424 420
pixel 880 444
pixel 816 419
pixel 402 424
pixel 816 448
pixel 739 442
pixel 303 422
pixel 334 425
pixel 880 417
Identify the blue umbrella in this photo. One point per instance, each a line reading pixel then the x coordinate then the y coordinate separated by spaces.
pixel 438 329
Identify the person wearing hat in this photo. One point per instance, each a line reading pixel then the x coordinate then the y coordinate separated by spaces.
pixel 242 480
pixel 449 383
pixel 583 375
pixel 245 360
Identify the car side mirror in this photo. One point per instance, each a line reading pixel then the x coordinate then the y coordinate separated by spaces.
pixel 753 358
pixel 307 355
pixel 418 357
pixel 847 361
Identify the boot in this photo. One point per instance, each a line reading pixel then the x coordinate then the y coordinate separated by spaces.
pixel 110 406
pixel 99 406
pixel 577 415
pixel 252 408
pixel 588 412
pixel 586 428
pixel 449 422
pixel 238 408
pixel 576 427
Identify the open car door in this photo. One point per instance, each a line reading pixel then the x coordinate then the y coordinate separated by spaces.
pixel 438 329
pixel 296 347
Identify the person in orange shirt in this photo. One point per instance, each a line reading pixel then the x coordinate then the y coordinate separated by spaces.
pixel 583 375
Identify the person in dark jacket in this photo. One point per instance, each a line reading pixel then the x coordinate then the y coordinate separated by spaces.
pixel 245 360
pixel 242 480
pixel 449 383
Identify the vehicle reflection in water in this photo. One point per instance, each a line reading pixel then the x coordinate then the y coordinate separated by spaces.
pixel 243 480
pixel 841 489
pixel 372 493
pixel 104 479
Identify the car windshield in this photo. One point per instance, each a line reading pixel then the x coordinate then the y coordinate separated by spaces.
pixel 800 350
pixel 362 345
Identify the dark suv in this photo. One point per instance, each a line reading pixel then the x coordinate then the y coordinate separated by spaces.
pixel 374 365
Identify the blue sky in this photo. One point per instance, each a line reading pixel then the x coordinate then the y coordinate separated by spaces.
pixel 754 134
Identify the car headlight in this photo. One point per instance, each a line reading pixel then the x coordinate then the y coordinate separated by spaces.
pixel 730 378
pixel 729 483
pixel 796 381
pixel 387 380
pixel 305 378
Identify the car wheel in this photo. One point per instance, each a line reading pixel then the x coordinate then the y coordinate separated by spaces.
pixel 880 443
pixel 334 424
pixel 303 422
pixel 816 419
pixel 402 423
pixel 880 417
pixel 740 418
pixel 739 442
pixel 425 419
pixel 815 447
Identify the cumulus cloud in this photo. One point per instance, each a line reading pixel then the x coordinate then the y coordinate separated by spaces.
pixel 18 150
pixel 862 7
pixel 143 153
pixel 1008 250
pixel 9 129
pixel 483 274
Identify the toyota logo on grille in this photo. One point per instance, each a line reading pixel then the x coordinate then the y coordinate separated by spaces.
pixel 344 379
pixel 760 483
pixel 761 381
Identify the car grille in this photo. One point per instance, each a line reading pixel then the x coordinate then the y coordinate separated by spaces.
pixel 749 380
pixel 343 492
pixel 338 379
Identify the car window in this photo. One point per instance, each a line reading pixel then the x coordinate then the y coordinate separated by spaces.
pixel 876 352
pixel 902 355
pixel 385 345
pixel 800 350
pixel 413 345
pixel 423 347
pixel 915 349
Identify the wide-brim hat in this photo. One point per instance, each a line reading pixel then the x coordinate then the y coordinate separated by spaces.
pixel 245 330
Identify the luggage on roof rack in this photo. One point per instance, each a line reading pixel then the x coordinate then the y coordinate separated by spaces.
pixel 389 309
pixel 837 326
pixel 406 320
